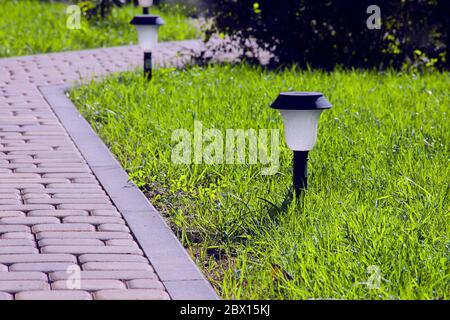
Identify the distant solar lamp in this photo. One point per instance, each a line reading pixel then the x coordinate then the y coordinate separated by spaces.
pixel 145 4
pixel 147 29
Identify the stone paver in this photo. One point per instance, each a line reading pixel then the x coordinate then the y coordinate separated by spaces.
pixel 54 295
pixel 14 286
pixel 144 284
pixel 5 296
pixel 118 275
pixel 10 276
pixel 132 294
pixel 89 285
pixel 55 217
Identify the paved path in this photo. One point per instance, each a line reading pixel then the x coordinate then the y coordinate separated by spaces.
pixel 55 217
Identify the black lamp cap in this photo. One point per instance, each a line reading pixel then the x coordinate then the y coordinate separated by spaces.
pixel 147 19
pixel 294 100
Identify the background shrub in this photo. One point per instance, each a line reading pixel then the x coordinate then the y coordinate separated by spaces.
pixel 95 9
pixel 414 33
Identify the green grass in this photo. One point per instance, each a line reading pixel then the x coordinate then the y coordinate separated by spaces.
pixel 30 26
pixel 379 179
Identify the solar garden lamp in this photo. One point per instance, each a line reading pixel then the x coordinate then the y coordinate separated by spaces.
pixel 300 112
pixel 147 26
pixel 145 4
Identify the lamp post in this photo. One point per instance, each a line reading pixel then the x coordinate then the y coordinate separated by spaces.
pixel 147 26
pixel 300 112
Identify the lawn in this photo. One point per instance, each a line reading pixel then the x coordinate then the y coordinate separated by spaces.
pixel 31 26
pixel 375 222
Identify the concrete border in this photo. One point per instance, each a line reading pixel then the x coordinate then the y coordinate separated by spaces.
pixel 175 268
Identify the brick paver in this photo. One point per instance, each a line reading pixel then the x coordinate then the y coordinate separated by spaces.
pixel 55 218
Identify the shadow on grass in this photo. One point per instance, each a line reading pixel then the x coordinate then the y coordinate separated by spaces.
pixel 276 211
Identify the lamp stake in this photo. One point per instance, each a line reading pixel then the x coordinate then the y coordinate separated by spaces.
pixel 148 65
pixel 300 172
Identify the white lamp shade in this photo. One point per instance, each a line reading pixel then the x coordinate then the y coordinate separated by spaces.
pixel 147 36
pixel 300 128
pixel 145 3
pixel 301 112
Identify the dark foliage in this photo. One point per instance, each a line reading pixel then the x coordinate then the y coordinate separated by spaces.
pixel 94 9
pixel 325 33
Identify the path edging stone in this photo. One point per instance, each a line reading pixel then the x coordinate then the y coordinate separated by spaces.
pixel 175 268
